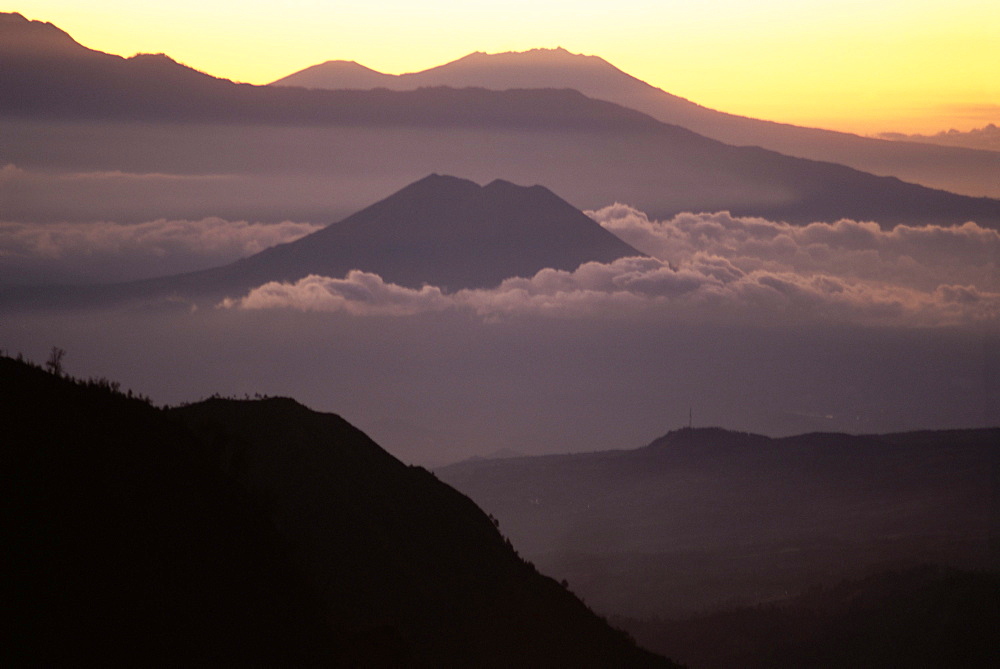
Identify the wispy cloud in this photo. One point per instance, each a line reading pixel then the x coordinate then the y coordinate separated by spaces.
pixel 11 172
pixel 207 237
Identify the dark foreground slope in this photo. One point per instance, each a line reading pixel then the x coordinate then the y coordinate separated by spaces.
pixel 124 547
pixel 706 517
pixel 257 532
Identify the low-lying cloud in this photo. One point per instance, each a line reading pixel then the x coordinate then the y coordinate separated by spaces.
pixel 359 293
pixel 209 236
pixel 715 267
pixel 920 257
pixel 111 251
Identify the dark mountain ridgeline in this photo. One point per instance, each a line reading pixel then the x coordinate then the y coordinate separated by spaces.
pixel 591 151
pixel 248 532
pixel 957 169
pixel 706 517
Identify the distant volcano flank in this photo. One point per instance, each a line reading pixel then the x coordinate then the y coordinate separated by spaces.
pixel 449 232
pixel 441 230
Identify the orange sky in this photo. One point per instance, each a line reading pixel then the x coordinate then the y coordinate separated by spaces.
pixel 843 64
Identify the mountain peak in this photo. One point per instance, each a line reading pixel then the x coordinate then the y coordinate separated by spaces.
pixel 12 18
pixel 449 232
pixel 19 35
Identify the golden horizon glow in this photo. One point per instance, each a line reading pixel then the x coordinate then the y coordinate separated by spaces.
pixel 841 64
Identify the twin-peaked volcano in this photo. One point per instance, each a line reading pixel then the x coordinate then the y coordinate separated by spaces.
pixel 441 230
pixel 448 232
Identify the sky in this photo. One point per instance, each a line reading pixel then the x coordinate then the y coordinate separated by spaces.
pixel 896 65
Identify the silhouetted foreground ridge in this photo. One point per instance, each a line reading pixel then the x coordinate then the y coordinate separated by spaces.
pixel 237 532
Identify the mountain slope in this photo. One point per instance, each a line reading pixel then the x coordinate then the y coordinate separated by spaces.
pixel 125 548
pixel 242 532
pixel 703 517
pixel 452 233
pixel 392 549
pixel 956 169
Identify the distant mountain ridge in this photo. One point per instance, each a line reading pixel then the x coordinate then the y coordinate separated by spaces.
pixel 962 170
pixel 591 151
pixel 48 75
pixel 634 529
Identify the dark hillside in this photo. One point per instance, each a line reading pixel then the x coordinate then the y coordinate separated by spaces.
pixel 395 551
pixel 257 533
pixel 124 548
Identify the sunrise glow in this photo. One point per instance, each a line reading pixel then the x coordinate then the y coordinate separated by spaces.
pixel 841 64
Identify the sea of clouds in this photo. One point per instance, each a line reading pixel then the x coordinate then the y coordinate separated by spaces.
pixel 714 266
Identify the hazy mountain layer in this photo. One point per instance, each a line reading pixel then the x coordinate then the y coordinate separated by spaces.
pixel 920 617
pixel 961 170
pixel 293 153
pixel 701 518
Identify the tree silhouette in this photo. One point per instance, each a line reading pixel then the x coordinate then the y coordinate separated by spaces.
pixel 54 363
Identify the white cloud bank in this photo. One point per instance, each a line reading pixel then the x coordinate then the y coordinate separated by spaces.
pixel 921 257
pixel 360 293
pixel 716 267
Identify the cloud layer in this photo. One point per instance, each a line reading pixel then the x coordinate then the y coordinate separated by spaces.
pixel 359 293
pixel 209 237
pixel 110 251
pixel 921 257
pixel 715 267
